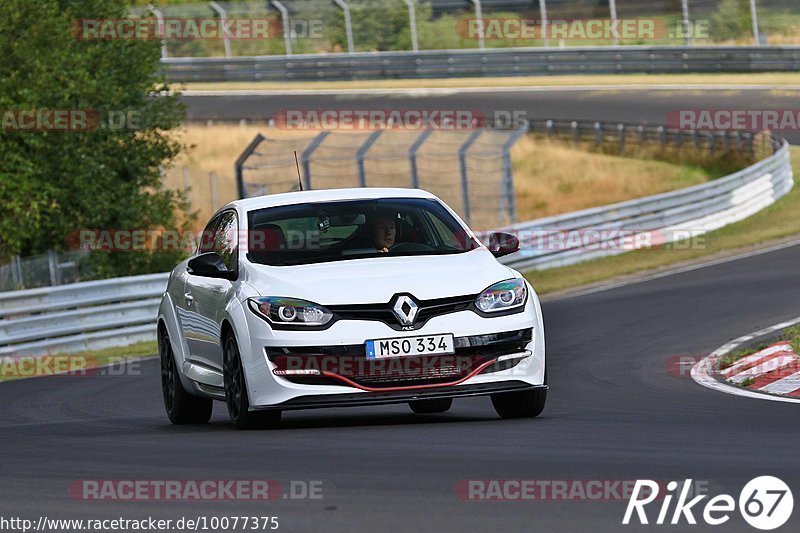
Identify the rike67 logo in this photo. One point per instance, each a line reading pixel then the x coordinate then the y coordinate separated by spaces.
pixel 765 503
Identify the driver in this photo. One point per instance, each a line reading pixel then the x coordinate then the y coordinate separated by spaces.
pixel 384 232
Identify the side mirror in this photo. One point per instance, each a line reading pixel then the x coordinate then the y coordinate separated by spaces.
pixel 210 265
pixel 501 244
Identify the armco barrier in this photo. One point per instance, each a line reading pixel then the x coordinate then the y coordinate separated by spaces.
pixel 80 316
pixel 488 63
pixel 117 312
pixel 695 209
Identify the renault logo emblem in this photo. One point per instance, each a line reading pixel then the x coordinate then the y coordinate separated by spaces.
pixel 405 309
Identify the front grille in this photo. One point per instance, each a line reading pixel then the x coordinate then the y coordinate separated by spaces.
pixel 350 361
pixel 383 312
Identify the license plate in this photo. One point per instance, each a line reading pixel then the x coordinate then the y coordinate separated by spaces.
pixel 409 346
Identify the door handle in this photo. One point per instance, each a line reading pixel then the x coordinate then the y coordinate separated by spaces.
pixel 189 298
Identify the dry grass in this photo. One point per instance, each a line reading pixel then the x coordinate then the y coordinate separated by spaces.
pixel 767 78
pixel 213 150
pixel 550 177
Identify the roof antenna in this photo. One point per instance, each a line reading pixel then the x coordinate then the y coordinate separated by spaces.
pixel 299 179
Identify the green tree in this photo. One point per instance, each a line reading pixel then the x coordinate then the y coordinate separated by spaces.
pixel 53 183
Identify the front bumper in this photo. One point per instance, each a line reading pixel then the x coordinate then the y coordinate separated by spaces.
pixel 390 397
pixel 270 391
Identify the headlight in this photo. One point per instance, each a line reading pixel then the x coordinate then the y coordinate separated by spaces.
pixel 290 311
pixel 501 296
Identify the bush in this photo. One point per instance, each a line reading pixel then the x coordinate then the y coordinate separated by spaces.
pixel 731 20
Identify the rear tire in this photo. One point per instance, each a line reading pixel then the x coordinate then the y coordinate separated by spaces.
pixel 236 393
pixel 181 407
pixel 436 405
pixel 520 404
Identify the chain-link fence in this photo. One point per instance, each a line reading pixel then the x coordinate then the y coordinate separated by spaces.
pixel 44 270
pixel 273 27
pixel 469 169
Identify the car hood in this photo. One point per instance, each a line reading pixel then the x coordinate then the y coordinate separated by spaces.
pixel 376 280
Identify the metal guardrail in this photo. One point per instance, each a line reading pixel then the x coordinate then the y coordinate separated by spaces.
pixel 80 316
pixel 670 216
pixel 488 62
pixel 121 311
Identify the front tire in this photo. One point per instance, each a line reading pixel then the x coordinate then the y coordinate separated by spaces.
pixel 520 404
pixel 436 405
pixel 181 407
pixel 236 393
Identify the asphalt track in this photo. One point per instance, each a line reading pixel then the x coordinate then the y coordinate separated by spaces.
pixel 614 413
pixel 640 105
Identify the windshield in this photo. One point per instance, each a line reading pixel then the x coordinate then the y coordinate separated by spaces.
pixel 335 231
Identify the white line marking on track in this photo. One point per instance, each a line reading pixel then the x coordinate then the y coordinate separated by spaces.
pixel 784 385
pixel 447 91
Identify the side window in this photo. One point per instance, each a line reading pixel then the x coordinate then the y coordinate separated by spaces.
pixel 226 238
pixel 445 236
pixel 207 237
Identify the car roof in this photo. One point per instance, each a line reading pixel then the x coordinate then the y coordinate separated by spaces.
pixel 325 195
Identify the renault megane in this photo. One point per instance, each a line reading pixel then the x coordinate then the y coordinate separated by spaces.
pixel 347 297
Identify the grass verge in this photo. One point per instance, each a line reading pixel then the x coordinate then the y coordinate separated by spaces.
pixel 780 220
pixel 776 78
pixel 76 363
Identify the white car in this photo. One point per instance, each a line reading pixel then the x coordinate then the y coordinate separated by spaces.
pixel 347 297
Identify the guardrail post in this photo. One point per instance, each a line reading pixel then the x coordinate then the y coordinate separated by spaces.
pixel 621 134
pixel 348 25
pixel 287 30
pixel 550 127
pixel 16 271
pixel 662 136
pixel 52 264
pixel 412 156
pixel 305 157
pixel 508 174
pixel 687 32
pixel 161 29
pixel 576 133
pixel 754 19
pixel 223 18
pixel 598 134
pixel 412 24
pixel 462 158
pixel 362 151
pixel 479 19
pixel 239 165
pixel 543 15
pixel 612 7
pixel 640 131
